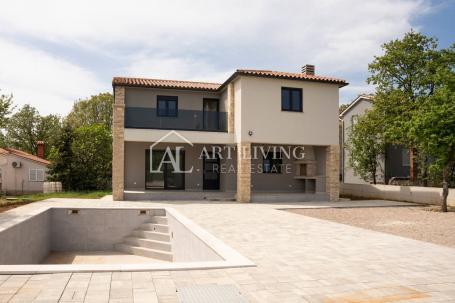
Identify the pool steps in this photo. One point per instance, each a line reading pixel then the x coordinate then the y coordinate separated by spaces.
pixel 152 239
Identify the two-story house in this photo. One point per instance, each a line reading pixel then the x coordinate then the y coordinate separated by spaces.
pixel 396 161
pixel 257 134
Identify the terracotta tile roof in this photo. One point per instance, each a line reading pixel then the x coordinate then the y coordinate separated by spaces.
pixel 206 86
pixel 22 154
pixel 291 76
pixel 158 83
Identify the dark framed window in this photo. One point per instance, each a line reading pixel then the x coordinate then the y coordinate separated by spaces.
pixel 272 163
pixel 167 106
pixel 291 99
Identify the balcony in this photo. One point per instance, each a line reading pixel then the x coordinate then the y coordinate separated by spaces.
pixel 140 117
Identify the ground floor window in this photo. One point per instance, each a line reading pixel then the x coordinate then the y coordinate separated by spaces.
pixel 36 175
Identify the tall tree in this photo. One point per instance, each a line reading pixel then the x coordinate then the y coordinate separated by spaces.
pixel 92 157
pixel 402 76
pixel 22 129
pixel 6 107
pixel 366 146
pixel 26 127
pixel 95 110
pixel 432 126
pixel 61 157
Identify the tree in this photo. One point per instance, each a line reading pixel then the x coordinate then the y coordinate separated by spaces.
pixel 95 110
pixel 26 127
pixel 366 146
pixel 342 108
pixel 61 157
pixel 48 130
pixel 91 157
pixel 402 76
pixel 433 124
pixel 6 107
pixel 22 129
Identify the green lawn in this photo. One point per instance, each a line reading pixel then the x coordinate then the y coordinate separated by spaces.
pixel 67 194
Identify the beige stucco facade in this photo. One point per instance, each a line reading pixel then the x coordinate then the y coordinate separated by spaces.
pixel 258 108
pixel 17 180
pixel 254 118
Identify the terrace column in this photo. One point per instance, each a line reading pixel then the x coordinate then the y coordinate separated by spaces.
pixel 244 172
pixel 231 108
pixel 118 144
pixel 332 172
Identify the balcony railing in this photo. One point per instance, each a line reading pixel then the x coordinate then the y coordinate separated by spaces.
pixel 140 117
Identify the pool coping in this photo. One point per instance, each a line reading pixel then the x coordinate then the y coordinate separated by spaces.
pixel 231 258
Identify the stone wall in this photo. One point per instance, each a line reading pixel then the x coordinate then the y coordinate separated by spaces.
pixel 416 194
pixel 118 144
pixel 231 108
pixel 332 172
pixel 244 172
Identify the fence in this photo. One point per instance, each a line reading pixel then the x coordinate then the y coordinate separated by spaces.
pixel 52 187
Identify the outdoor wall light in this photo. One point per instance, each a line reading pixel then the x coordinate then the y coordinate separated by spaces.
pixel 250 132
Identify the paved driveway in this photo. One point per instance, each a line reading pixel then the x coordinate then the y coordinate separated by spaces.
pixel 299 259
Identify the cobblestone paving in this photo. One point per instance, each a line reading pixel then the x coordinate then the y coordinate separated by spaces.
pixel 298 258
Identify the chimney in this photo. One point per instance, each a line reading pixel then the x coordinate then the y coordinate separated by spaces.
pixel 308 69
pixel 40 149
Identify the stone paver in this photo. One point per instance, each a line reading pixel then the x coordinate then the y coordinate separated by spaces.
pixel 298 258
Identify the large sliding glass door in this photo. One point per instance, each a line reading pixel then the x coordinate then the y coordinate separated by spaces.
pixel 166 177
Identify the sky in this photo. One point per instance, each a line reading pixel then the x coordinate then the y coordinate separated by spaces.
pixel 53 53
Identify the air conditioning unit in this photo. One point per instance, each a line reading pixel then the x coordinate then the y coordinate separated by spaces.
pixel 16 164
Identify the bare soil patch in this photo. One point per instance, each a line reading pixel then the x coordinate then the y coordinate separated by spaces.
pixel 7 206
pixel 419 223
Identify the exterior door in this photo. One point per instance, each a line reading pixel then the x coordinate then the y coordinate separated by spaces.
pixel 211 115
pixel 211 172
pixel 166 177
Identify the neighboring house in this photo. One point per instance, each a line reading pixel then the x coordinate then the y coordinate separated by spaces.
pixel 396 161
pixel 250 110
pixel 21 172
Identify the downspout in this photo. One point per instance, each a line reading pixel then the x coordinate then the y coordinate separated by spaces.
pixel 342 150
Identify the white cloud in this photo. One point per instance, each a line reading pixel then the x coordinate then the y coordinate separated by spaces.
pixel 176 68
pixel 37 78
pixel 205 40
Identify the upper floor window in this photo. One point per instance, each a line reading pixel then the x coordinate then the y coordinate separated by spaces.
pixel 272 163
pixel 291 99
pixel 354 119
pixel 36 175
pixel 167 106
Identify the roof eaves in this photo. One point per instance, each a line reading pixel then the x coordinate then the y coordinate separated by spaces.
pixel 354 103
pixel 27 156
pixel 251 73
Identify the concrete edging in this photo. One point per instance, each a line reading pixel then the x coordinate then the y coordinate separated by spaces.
pixel 415 194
